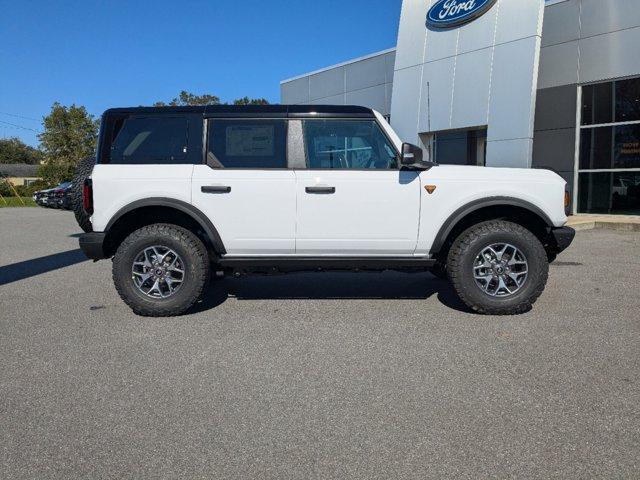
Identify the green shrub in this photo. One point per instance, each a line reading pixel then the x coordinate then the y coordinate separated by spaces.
pixel 15 202
pixel 53 174
pixel 24 190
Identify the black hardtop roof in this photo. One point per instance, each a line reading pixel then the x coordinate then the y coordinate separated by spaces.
pixel 282 111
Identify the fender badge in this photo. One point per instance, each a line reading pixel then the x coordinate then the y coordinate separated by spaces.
pixel 430 189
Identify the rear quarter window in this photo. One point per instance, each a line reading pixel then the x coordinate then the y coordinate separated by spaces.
pixel 148 140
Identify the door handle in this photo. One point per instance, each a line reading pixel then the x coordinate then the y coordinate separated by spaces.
pixel 216 189
pixel 321 190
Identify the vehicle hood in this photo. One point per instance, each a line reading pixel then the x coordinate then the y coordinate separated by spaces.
pixel 493 174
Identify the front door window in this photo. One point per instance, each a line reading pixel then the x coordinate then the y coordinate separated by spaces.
pixel 348 145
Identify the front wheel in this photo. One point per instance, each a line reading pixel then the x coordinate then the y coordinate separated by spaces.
pixel 161 270
pixel 498 268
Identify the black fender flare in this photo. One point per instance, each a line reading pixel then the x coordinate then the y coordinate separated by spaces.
pixel 476 205
pixel 186 208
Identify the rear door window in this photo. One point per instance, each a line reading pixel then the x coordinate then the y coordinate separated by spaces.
pixel 247 144
pixel 150 140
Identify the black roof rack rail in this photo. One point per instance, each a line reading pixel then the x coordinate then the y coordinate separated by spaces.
pixel 277 111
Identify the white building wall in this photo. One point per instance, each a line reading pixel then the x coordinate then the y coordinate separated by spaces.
pixel 483 73
pixel 364 81
pixel 583 41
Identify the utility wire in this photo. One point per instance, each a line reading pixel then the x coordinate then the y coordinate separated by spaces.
pixel 20 126
pixel 19 116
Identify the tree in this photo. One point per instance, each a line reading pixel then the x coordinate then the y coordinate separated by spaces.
pixel 251 101
pixel 53 174
pixel 188 99
pixel 70 134
pixel 14 150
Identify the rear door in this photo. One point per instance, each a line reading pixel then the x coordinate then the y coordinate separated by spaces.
pixel 352 198
pixel 245 187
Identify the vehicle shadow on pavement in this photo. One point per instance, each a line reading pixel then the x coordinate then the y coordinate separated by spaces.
pixel 37 266
pixel 331 286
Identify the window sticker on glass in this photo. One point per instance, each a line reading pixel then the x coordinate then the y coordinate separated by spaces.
pixel 250 141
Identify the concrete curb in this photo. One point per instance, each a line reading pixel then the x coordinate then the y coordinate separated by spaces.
pixel 599 224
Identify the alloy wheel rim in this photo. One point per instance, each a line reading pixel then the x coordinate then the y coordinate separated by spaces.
pixel 158 272
pixel 500 270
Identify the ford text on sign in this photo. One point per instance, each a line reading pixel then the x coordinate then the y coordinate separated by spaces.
pixel 453 13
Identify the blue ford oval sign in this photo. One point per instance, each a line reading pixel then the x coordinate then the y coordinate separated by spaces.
pixel 453 13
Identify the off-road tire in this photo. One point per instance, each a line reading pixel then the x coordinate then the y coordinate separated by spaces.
pixel 83 171
pixel 471 242
pixel 196 266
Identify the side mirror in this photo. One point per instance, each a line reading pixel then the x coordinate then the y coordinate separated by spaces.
pixel 412 157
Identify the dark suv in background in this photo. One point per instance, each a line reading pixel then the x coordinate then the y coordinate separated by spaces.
pixel 57 197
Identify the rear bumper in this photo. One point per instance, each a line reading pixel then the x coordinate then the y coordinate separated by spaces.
pixel 92 245
pixel 561 238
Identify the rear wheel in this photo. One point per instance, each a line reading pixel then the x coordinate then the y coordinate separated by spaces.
pixel 498 268
pixel 83 171
pixel 161 270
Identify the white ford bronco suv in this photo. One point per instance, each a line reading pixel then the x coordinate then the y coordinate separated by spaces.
pixel 180 195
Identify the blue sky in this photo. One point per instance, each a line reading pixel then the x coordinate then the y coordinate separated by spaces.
pixel 124 53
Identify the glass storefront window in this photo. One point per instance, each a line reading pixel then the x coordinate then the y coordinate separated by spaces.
pixel 610 147
pixel 597 104
pixel 609 193
pixel 626 151
pixel 611 102
pixel 628 100
pixel 613 151
pixel 596 148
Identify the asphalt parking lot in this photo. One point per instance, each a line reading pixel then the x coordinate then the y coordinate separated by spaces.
pixel 333 375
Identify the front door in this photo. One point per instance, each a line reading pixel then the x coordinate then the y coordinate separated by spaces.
pixel 246 189
pixel 352 198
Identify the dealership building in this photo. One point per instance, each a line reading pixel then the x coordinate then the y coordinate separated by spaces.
pixel 509 83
